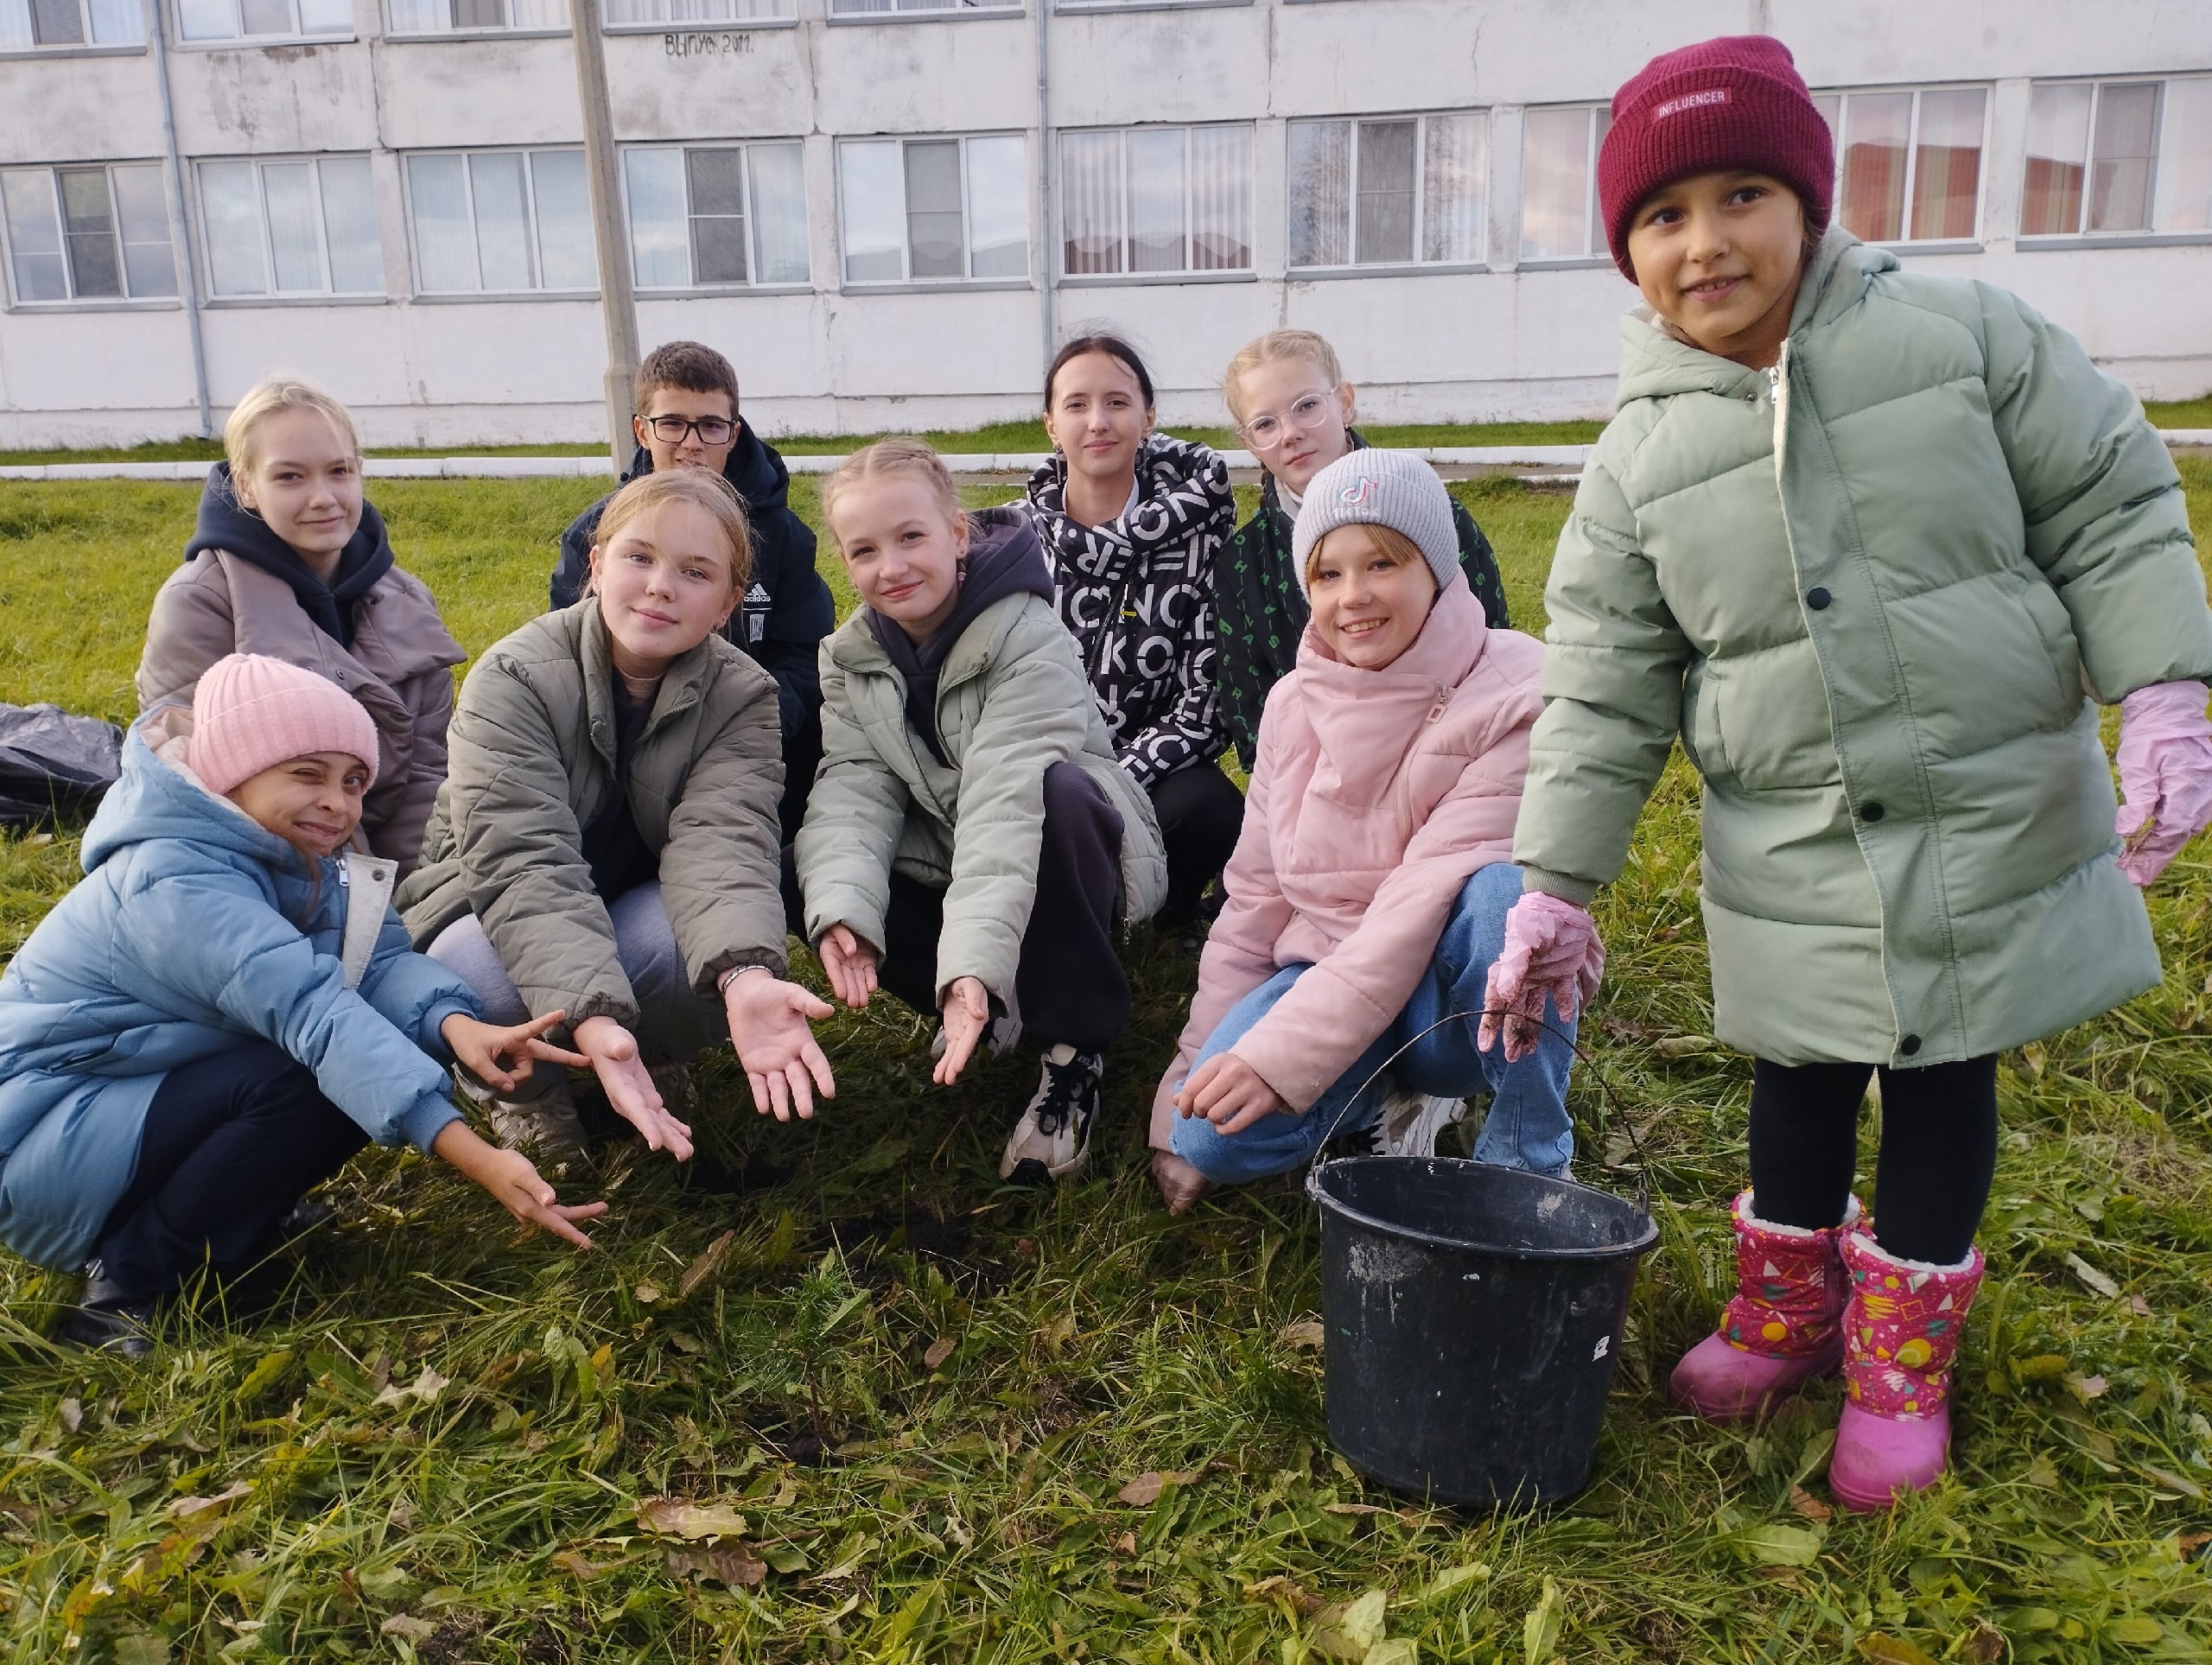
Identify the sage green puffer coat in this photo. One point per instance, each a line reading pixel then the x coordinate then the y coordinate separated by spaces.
pixel 1878 592
pixel 1012 699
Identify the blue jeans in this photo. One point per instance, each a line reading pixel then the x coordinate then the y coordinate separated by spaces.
pixel 1527 1125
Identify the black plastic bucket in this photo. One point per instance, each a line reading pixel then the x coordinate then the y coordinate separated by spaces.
pixel 1473 1318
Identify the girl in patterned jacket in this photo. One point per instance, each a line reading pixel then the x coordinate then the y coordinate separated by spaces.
pixel 1131 521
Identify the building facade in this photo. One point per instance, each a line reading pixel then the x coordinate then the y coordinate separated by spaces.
pixel 886 210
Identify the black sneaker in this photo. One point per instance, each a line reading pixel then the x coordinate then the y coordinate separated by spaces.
pixel 105 1320
pixel 1053 1136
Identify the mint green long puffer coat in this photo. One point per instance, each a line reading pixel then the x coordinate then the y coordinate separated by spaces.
pixel 1878 592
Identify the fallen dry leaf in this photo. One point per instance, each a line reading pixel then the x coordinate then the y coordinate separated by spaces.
pixel 2138 1305
pixel 939 1350
pixel 426 1387
pixel 1279 1587
pixel 1809 1506
pixel 1985 1643
pixel 1892 1650
pixel 709 1262
pixel 678 1517
pixel 1305 1333
pixel 408 1627
pixel 1356 1509
pixel 2097 1281
pixel 1145 1489
pixel 2086 1388
pixel 72 1414
pixel 2188 1543
pixel 578 1565
pixel 1126 1544
pixel 646 1294
pixel 185 1508
pixel 732 1566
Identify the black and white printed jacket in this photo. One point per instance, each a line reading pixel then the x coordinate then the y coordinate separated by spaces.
pixel 1137 595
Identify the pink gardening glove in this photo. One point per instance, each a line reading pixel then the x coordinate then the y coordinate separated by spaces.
pixel 2165 775
pixel 1551 948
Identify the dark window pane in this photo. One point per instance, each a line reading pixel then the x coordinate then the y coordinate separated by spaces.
pixel 56 22
pixel 718 249
pixel 933 227
pixel 88 229
pixel 717 180
pixel 1385 230
pixel 479 14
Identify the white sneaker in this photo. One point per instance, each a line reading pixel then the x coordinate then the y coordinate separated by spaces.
pixel 1053 1139
pixel 1411 1121
pixel 1003 1036
pixel 546 1123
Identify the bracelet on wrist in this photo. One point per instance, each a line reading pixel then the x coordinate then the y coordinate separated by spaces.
pixel 722 982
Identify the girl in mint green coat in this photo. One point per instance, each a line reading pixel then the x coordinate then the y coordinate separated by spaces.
pixel 1875 546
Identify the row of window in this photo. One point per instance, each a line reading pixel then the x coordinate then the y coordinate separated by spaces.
pixel 2102 158
pixel 27 25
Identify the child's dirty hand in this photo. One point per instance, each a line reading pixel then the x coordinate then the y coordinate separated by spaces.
pixel 850 964
pixel 500 1059
pixel 1229 1093
pixel 2165 775
pixel 967 1013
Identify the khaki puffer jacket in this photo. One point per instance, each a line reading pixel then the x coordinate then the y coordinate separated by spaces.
pixel 1012 700
pixel 400 668
pixel 533 765
pixel 1878 592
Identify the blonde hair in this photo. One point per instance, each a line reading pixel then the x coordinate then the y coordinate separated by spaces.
pixel 1402 549
pixel 269 397
pixel 1276 346
pixel 709 493
pixel 892 456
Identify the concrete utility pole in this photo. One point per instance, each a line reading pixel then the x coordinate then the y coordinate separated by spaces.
pixel 618 301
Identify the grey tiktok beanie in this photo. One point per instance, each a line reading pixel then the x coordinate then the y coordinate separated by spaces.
pixel 1380 488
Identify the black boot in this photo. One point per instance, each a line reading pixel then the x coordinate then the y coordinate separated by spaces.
pixel 108 1318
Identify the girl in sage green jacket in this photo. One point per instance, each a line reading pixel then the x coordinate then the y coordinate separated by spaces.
pixel 1876 545
pixel 971 839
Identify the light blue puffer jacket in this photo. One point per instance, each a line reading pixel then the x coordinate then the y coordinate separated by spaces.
pixel 178 943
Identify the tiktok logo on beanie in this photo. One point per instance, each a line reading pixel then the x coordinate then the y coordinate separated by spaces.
pixel 1358 493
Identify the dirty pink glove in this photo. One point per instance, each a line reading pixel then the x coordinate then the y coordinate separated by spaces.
pixel 2165 775
pixel 1551 948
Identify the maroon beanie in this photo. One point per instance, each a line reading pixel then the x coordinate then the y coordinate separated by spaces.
pixel 1736 102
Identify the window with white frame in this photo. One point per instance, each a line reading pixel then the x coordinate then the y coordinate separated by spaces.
pixel 263 19
pixel 1559 181
pixel 1387 190
pixel 1908 161
pixel 99 232
pixel 881 8
pixel 682 14
pixel 28 25
pixel 1156 199
pixel 2117 157
pixel 934 210
pixel 500 221
pixel 704 216
pixel 303 227
pixel 449 16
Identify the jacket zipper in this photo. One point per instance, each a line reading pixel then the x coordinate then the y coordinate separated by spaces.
pixel 1405 793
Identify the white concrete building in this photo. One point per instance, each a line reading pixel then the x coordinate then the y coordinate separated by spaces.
pixel 882 209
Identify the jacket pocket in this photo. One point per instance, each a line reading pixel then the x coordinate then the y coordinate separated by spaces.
pixel 1700 723
pixel 2056 625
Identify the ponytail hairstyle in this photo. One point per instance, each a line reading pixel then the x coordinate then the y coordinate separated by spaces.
pixel 1113 347
pixel 899 456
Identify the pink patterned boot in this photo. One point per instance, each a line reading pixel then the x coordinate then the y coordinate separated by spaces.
pixel 1901 1333
pixel 1781 1328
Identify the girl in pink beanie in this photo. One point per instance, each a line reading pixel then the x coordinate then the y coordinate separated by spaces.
pixel 1875 546
pixel 226 1008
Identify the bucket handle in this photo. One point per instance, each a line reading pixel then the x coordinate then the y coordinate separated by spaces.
pixel 1582 1056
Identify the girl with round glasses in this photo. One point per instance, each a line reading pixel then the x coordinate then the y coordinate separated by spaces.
pixel 1294 410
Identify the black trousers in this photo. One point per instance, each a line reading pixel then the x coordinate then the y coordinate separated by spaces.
pixel 802 757
pixel 1938 1154
pixel 233 1140
pixel 1069 983
pixel 1200 814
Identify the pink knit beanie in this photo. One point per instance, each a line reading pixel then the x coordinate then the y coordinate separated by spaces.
pixel 1734 102
pixel 252 712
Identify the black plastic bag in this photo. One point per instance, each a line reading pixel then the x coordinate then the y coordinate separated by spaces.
pixel 53 763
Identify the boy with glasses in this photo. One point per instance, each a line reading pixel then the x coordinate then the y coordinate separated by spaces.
pixel 686 399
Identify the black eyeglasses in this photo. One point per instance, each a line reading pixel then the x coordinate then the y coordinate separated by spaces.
pixel 672 430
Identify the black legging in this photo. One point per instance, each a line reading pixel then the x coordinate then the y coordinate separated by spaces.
pixel 1939 1150
pixel 1200 814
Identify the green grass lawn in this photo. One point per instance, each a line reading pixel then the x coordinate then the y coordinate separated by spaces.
pixel 914 1401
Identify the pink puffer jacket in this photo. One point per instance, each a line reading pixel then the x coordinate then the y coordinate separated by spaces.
pixel 1375 796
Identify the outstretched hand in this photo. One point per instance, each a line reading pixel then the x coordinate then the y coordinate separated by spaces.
pixel 967 1013
pixel 850 963
pixel 515 1183
pixel 630 1090
pixel 500 1057
pixel 783 1063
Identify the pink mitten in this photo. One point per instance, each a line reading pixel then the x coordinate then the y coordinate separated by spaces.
pixel 1551 949
pixel 2166 775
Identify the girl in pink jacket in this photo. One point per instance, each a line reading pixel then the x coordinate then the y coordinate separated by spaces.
pixel 1368 895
